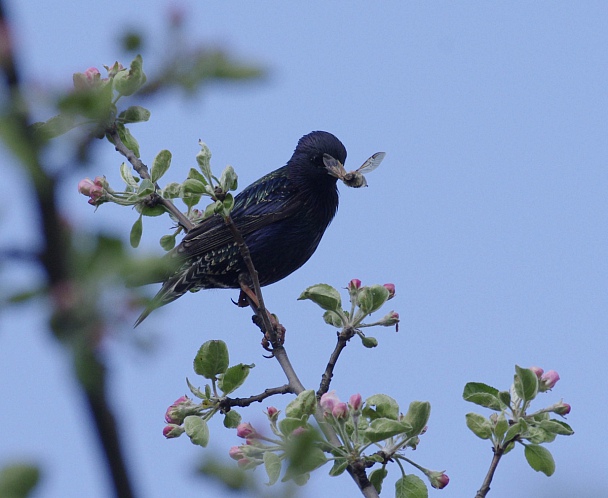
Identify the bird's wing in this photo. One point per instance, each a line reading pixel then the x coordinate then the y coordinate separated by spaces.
pixel 266 201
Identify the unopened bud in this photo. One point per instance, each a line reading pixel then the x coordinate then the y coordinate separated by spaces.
pixel 538 371
pixel 246 431
pixel 548 380
pixel 328 401
pixel 340 410
pixel 171 431
pixel 355 402
pixel 391 290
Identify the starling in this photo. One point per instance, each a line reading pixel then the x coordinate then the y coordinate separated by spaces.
pixel 282 217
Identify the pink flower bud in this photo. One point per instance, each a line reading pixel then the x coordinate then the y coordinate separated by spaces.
pixel 439 480
pixel 538 371
pixel 272 413
pixel 180 409
pixel 328 401
pixel 171 431
pixel 391 290
pixel 244 462
pixel 87 80
pixel 562 409
pixel 298 431
pixel 548 380
pixel 85 186
pixel 340 410
pixel 355 402
pixel 246 431
pixel 354 284
pixel 236 453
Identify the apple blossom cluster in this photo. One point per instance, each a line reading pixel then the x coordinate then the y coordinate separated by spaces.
pixel 371 433
pixel 513 422
pixel 364 300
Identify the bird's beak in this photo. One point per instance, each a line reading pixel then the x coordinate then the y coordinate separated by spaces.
pixel 333 166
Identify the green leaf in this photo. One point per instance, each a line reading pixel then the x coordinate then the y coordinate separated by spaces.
pixel 197 430
pixel 479 425
pixel 234 377
pixel 196 175
pixel 134 114
pixel 332 318
pixel 483 395
pixel 303 454
pixel 136 232
pixel 501 427
pixel 377 477
pixel 383 428
pixel 127 138
pixel 232 419
pixel 514 430
pixel 161 164
pixel 272 464
pixel 417 416
pixel 228 203
pixel 171 191
pixel 127 176
pixel 372 298
pixel 289 424
pixel 540 459
pixel 386 407
pixel 196 391
pixel 323 295
pixel 339 467
pixel 192 186
pixel 526 383
pixel 556 427
pixel 304 404
pixel 211 359
pixel 537 435
pixel 167 242
pixel 203 159
pixel 54 127
pixel 18 479
pixel 505 397
pixel 127 82
pixel 229 179
pixel 411 486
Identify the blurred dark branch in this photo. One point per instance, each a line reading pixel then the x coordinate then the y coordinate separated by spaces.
pixel 55 255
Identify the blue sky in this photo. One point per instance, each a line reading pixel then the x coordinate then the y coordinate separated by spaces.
pixel 489 214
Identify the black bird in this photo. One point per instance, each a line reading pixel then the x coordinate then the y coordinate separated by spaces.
pixel 282 217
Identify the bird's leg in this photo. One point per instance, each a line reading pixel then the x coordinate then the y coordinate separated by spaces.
pixel 248 298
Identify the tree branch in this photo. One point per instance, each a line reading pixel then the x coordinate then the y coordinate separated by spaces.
pixel 55 256
pixel 142 171
pixel 227 403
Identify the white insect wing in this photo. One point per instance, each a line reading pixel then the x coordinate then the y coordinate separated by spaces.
pixel 372 163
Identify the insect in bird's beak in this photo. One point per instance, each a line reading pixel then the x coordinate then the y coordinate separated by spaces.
pixel 355 178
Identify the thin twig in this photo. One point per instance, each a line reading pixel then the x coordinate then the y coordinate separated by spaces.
pixel 227 403
pixel 142 170
pixel 343 338
pixel 261 311
pixel 498 453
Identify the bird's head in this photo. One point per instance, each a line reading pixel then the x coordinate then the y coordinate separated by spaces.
pixel 313 149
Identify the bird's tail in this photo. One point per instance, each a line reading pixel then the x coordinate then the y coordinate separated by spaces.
pixel 168 293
